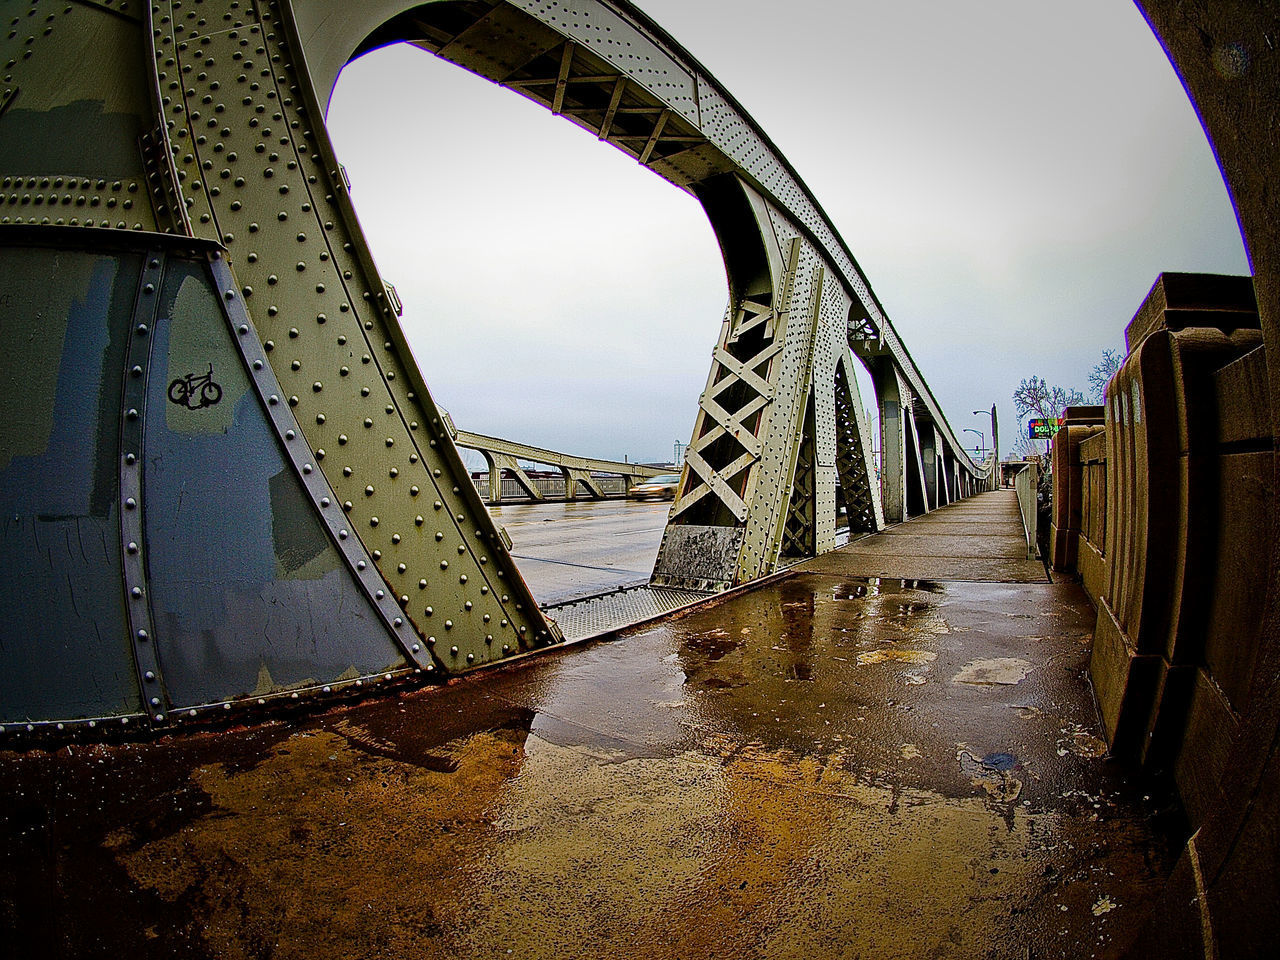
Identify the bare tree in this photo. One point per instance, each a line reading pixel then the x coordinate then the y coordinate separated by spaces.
pixel 1036 400
pixel 1102 373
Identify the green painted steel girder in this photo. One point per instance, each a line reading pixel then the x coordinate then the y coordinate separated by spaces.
pixel 208 381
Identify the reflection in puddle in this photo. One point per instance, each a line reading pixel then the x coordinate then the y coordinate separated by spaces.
pixel 875 586
pixel 741 781
pixel 891 654
pixel 713 644
pixel 668 856
pixel 993 773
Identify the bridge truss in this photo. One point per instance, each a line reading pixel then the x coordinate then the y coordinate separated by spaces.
pixel 224 479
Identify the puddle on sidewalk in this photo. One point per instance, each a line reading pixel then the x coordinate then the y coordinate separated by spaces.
pixel 755 778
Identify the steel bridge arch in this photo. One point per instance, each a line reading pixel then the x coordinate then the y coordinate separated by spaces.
pixel 323 485
pixel 609 69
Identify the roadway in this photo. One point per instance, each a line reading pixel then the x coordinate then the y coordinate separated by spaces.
pixel 578 548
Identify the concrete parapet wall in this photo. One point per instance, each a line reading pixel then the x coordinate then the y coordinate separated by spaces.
pixel 1091 550
pixel 1069 480
pixel 1158 511
pixel 1221 899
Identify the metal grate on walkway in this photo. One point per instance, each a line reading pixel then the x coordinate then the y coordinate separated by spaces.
pixel 604 613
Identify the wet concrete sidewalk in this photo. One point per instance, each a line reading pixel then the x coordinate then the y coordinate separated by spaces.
pixel 980 538
pixel 829 766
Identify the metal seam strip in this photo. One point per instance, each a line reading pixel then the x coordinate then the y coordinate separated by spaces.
pixel 194 192
pixel 156 142
pixel 525 605
pixel 149 34
pixel 136 375
pixel 378 592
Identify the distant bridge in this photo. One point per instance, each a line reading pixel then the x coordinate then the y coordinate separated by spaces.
pixel 505 456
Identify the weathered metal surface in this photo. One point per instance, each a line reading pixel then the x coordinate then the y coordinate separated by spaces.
pixel 66 651
pixel 183 507
pixel 241 566
pixel 703 553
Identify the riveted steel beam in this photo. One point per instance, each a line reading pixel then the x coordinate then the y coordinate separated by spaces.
pixel 322 496
pixel 730 434
pixel 338 481
pixel 779 446
pixel 636 70
pixel 895 410
pixel 618 75
pixel 787 461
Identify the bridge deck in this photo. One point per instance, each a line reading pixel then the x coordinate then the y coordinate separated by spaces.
pixel 828 766
pixel 979 538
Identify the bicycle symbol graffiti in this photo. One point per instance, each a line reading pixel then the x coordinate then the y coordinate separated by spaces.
pixel 203 390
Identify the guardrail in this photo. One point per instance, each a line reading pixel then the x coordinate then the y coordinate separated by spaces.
pixel 1026 483
pixel 551 488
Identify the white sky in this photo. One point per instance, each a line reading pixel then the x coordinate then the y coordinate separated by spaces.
pixel 1010 174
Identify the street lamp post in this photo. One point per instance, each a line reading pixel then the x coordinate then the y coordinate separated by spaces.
pixel 982 441
pixel 995 445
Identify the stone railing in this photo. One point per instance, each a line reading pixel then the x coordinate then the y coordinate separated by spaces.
pixel 1158 509
pixel 1077 529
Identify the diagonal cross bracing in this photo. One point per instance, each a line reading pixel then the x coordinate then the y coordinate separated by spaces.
pixel 720 433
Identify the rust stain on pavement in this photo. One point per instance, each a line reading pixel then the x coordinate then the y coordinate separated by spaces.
pixel 753 779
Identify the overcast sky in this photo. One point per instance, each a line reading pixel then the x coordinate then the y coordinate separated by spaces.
pixel 1011 175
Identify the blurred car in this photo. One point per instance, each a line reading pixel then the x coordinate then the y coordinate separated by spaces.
pixel 662 487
